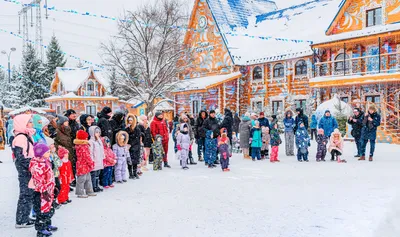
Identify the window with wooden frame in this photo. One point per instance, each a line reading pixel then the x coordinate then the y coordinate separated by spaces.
pixel 279 70
pixel 90 86
pixel 301 67
pixel 257 73
pixel 374 17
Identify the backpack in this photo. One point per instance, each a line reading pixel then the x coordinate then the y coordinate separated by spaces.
pixel 28 140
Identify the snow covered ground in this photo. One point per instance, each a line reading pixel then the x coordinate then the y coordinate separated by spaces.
pixel 288 199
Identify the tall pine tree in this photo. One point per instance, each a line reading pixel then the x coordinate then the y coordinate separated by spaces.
pixel 34 86
pixel 12 93
pixel 54 58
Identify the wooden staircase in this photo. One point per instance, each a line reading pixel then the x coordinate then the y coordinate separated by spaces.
pixel 389 131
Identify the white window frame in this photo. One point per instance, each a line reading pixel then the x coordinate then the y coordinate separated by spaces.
pixel 95 109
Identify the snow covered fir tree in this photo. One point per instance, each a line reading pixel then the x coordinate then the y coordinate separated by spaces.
pixel 54 58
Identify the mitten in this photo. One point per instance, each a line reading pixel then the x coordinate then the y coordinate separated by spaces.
pixel 178 147
pixel 251 140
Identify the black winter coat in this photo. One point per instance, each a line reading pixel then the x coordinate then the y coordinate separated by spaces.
pixel 368 131
pixel 104 125
pixel 236 122
pixel 134 140
pixel 211 124
pixel 198 128
pixel 301 118
pixel 357 125
pixel 117 124
pixel 228 123
pixel 147 138
pixel 74 125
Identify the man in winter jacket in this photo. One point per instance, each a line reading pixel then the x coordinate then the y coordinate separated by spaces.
pixel 328 123
pixel 211 124
pixel 313 126
pixel 371 122
pixel 200 133
pixel 288 122
pixel 159 127
pixel 227 123
pixel 263 120
pixel 73 124
pixel 356 121
pixel 117 124
pixel 105 116
pixel 301 117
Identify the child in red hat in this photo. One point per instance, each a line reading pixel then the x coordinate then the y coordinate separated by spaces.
pixel 66 176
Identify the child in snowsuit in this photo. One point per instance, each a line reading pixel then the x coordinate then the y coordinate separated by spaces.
pixel 56 164
pixel 42 182
pixel 158 153
pixel 183 144
pixel 211 149
pixel 121 151
pixel 265 143
pixel 84 165
pixel 66 176
pixel 256 141
pixel 97 155
pixel 109 161
pixel 235 144
pixel 38 126
pixel 224 149
pixel 322 140
pixel 275 142
pixel 336 145
pixel 302 143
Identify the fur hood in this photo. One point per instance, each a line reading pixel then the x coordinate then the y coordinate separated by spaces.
pixel 134 124
pixel 126 140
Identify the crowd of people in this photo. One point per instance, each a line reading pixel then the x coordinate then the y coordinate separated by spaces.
pixel 91 155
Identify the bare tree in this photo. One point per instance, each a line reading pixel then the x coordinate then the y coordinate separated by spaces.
pixel 148 53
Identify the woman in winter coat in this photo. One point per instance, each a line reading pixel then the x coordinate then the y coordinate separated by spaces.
pixel 51 129
pixel 184 143
pixel 121 151
pixel 244 132
pixel 302 143
pixel 97 155
pixel 117 124
pixel 228 123
pixel 104 122
pixel 313 126
pixel 371 122
pixel 135 137
pixel 86 122
pixel 328 123
pixel 236 123
pixel 200 134
pixel 289 124
pixel 336 145
pixel 63 137
pixel 22 147
pixel 256 141
pixel 147 139
pixel 356 121
pixel 84 165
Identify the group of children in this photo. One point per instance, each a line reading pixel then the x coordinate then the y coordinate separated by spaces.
pixel 262 138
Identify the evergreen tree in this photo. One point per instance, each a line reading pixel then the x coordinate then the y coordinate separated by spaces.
pixel 12 92
pixel 55 58
pixel 113 83
pixel 3 85
pixel 34 86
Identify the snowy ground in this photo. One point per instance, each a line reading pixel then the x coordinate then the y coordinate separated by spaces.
pixel 288 199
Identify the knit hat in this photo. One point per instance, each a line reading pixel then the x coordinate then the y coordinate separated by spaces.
pixel 61 119
pixel 69 112
pixel 40 149
pixel 62 152
pixel 212 111
pixel 262 114
pixel 106 110
pixel 82 135
pixel 158 113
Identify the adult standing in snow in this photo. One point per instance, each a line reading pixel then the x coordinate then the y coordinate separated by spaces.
pixel 263 120
pixel 147 139
pixel 236 122
pixel 86 122
pixel 356 122
pixel 117 124
pixel 200 134
pixel 211 124
pixel 328 123
pixel 372 120
pixel 103 123
pixel 159 127
pixel 313 126
pixel 22 147
pixel 51 130
pixel 227 123
pixel 289 124
pixel 301 117
pixel 63 138
pixel 73 124
pixel 135 138
pixel 244 132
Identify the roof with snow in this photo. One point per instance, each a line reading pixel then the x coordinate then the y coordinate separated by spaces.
pixel 72 78
pixel 279 34
pixel 28 108
pixel 164 106
pixel 73 96
pixel 204 83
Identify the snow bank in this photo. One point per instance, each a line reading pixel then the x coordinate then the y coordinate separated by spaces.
pixel 332 105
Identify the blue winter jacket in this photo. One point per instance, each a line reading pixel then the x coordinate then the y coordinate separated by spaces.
pixel 368 131
pixel 302 138
pixel 314 122
pixel 289 124
pixel 328 124
pixel 255 135
pixel 263 122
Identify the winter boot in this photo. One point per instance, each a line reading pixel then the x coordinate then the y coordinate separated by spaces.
pixel 43 233
pixel 192 161
pixel 371 158
pixel 216 162
pixel 130 173
pixel 166 165
pixel 362 158
pixel 29 224
pixel 185 168
pixel 201 159
pixel 73 184
pixel 52 228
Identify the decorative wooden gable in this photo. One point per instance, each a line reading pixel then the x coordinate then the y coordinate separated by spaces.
pixel 206 44
pixel 359 14
pixel 91 87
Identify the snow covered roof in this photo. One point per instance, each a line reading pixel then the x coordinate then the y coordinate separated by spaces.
pixel 373 30
pixel 72 78
pixel 164 106
pixel 71 95
pixel 303 23
pixel 203 83
pixel 28 108
pixel 235 13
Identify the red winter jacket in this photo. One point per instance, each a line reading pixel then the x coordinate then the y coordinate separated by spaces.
pixel 66 175
pixel 159 127
pixel 109 157
pixel 84 163
pixel 42 181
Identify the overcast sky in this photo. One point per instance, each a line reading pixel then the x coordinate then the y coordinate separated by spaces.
pixel 78 35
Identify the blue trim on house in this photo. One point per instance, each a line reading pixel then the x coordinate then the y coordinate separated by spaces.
pixel 137 106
